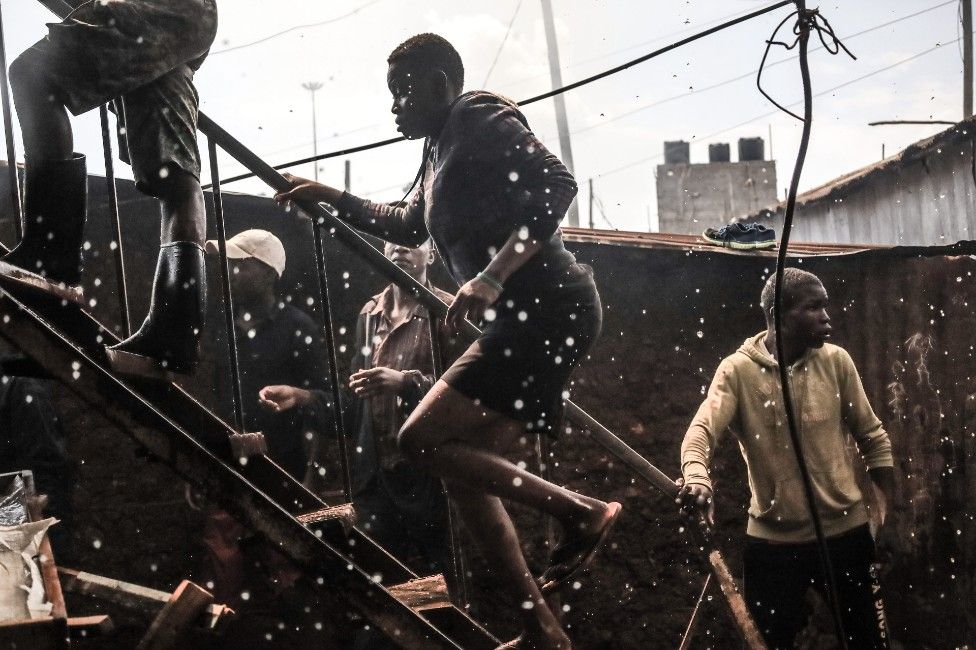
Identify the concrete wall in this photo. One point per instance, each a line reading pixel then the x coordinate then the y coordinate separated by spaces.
pixel 693 197
pixel 925 201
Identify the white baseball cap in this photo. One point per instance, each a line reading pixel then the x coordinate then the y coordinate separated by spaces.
pixel 259 244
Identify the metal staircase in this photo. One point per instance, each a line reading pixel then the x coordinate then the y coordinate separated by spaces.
pixel 67 342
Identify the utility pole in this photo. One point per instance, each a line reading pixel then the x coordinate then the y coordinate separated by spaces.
pixel 311 87
pixel 348 175
pixel 967 58
pixel 562 124
pixel 591 204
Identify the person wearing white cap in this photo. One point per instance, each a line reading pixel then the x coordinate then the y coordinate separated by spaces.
pixel 277 344
pixel 256 243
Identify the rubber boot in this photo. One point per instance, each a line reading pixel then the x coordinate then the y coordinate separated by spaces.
pixel 169 338
pixel 55 206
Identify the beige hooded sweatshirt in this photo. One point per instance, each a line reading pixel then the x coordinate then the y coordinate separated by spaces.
pixel 745 398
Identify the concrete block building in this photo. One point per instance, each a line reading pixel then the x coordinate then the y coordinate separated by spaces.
pixel 694 196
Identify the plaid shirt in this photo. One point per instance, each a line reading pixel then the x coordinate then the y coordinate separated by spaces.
pixel 488 176
pixel 402 345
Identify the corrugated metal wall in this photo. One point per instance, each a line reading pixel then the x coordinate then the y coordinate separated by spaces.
pixel 927 201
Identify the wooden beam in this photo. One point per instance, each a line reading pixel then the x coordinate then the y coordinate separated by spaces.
pixel 133 597
pixel 37 634
pixel 423 593
pixel 90 627
pixel 177 617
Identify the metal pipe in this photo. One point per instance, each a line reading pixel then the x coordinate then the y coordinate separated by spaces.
pixel 326 306
pixel 8 132
pixel 460 599
pixel 218 206
pixel 113 206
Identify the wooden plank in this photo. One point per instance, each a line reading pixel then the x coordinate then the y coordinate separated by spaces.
pixel 344 513
pixel 423 593
pixel 36 634
pixel 46 563
pixel 87 627
pixel 133 597
pixel 177 616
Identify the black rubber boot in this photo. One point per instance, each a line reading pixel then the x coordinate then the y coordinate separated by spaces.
pixel 169 338
pixel 55 205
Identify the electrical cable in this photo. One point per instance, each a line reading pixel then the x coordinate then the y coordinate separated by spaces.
pixel 657 39
pixel 549 94
pixel 501 45
pixel 807 21
pixel 756 118
pixel 665 100
pixel 751 74
pixel 294 28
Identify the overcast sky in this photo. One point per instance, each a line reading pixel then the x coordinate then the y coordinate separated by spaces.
pixel 255 90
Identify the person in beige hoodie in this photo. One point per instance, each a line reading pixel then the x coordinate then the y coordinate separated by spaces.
pixel 781 559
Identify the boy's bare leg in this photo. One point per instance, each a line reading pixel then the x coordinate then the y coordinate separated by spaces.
pixel 183 215
pixel 44 121
pixel 461 442
pixel 486 519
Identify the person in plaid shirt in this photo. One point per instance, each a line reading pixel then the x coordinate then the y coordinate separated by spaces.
pixel 491 197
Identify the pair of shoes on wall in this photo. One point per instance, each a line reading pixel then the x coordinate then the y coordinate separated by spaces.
pixel 741 236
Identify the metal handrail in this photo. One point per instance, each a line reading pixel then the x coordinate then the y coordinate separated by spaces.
pixel 113 204
pixel 218 208
pixel 8 132
pixel 460 599
pixel 330 345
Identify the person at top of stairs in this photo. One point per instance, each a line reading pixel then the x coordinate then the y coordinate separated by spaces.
pixel 142 54
pixel 491 197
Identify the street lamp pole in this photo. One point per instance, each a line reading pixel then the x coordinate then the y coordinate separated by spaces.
pixel 311 87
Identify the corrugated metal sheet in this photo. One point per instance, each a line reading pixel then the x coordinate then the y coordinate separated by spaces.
pixel 923 196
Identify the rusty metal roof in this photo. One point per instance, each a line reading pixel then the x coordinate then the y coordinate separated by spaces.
pixel 848 183
pixel 693 242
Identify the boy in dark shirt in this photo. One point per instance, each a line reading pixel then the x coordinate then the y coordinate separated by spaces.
pixel 142 54
pixel 277 343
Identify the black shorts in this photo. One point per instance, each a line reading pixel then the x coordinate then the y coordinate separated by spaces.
pixel 144 54
pixel 521 364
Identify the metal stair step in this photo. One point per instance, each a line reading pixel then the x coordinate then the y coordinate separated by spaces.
pixel 423 593
pixel 345 513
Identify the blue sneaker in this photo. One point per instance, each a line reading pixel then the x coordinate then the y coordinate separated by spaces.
pixel 741 236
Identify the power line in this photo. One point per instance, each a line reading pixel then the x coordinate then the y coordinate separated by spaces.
pixel 658 52
pixel 657 39
pixel 752 74
pixel 501 45
pixel 295 28
pixel 551 93
pixel 776 112
pixel 665 100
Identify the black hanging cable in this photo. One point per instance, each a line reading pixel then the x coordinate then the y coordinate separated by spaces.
pixel 807 21
pixel 546 95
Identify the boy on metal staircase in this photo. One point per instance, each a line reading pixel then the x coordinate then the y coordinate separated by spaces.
pixel 142 54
